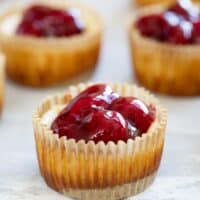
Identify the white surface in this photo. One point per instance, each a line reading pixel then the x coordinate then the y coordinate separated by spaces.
pixel 179 175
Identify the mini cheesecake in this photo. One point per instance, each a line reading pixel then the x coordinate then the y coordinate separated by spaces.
pixel 165 48
pixel 101 141
pixel 50 42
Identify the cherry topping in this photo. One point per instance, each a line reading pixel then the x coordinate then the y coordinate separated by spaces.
pixel 42 21
pixel 97 125
pixel 177 25
pixel 95 95
pixel 81 107
pixel 100 91
pixel 154 26
pixel 186 9
pixel 137 113
pixel 99 114
pixel 181 34
pixel 196 32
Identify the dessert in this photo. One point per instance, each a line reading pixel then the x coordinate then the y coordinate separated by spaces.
pixel 54 41
pixel 90 144
pixel 165 46
pixel 2 63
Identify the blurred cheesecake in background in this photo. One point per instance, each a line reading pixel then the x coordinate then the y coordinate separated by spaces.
pixel 165 48
pixel 2 67
pixel 50 42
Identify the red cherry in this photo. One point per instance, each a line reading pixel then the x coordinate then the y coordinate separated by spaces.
pixel 154 26
pixel 44 21
pixel 185 9
pixel 96 89
pixel 36 12
pixel 136 112
pixel 73 113
pixel 104 125
pixel 97 125
pixel 82 106
pixel 181 34
pixel 179 31
pixel 100 92
pixel 96 96
pixel 196 32
pixel 30 29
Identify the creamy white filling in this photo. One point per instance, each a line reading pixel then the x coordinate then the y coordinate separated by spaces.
pixel 49 116
pixel 9 25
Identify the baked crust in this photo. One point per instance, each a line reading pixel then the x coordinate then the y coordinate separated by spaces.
pixel 112 193
pixel 69 167
pixel 150 2
pixel 162 67
pixel 44 61
pixel 2 67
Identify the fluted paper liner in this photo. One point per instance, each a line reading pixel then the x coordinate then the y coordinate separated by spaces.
pixel 44 61
pixel 163 67
pixel 2 68
pixel 99 171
